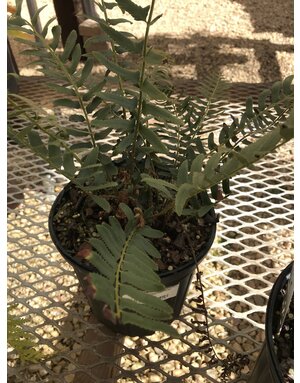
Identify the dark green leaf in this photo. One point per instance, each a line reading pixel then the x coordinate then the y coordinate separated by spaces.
pixel 151 283
pixel 152 91
pixel 81 145
pixel 143 297
pixel 109 5
pixel 226 186
pixel 69 46
pixel 126 74
pixel 102 134
pixel 76 118
pixel 61 89
pixel 127 211
pixel 103 292
pixel 124 144
pixel 102 249
pixel 77 132
pixel 17 21
pixel 101 186
pixel 212 164
pixel 160 113
pixel 96 88
pixel 118 37
pixel 116 98
pixel 116 123
pixel 137 255
pixel 262 99
pixel 147 246
pixel 45 29
pixel 76 56
pixel 211 143
pixel 66 103
pixel 156 18
pixel 199 179
pixel 35 52
pixel 155 57
pixel 159 185
pixel 185 192
pixel 96 101
pixel 149 232
pixel 86 71
pixel 215 192
pixel 36 142
pixel 137 12
pixel 92 157
pixel 35 17
pixel 182 175
pixel 56 32
pixel 103 113
pixel 133 306
pixel 91 41
pixel 153 139
pixel 200 146
pixel 68 164
pixel 55 155
pixel 102 202
pixel 287 85
pixel 204 210
pixel 197 163
pixel 118 21
pixel 249 108
pixel 224 134
pixel 275 91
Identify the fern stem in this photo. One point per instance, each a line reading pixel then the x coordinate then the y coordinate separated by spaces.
pixel 113 48
pixel 119 272
pixel 141 80
pixel 206 110
pixel 178 138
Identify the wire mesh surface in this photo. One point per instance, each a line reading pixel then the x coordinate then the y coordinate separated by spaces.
pixel 253 244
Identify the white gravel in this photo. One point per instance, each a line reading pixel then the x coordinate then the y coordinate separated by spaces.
pixel 247 41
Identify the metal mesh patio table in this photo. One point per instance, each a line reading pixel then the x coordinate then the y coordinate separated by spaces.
pixel 253 243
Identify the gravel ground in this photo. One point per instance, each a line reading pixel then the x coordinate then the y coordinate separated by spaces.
pixel 247 41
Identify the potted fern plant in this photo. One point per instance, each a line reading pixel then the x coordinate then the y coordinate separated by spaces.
pixel 146 168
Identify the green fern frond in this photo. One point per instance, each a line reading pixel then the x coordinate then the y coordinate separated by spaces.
pixel 196 113
pixel 127 280
pixel 22 341
pixel 240 145
pixel 274 106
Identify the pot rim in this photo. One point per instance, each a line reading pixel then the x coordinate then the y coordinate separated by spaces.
pixel 164 273
pixel 278 285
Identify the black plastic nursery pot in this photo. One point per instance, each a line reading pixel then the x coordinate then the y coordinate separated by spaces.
pixel 267 368
pixel 177 281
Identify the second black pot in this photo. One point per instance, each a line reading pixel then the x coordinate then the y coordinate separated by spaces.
pixel 176 281
pixel 267 367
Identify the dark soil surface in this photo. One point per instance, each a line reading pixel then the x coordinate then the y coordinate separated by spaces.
pixel 75 222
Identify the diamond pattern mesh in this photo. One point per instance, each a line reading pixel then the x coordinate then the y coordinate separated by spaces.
pixel 253 243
